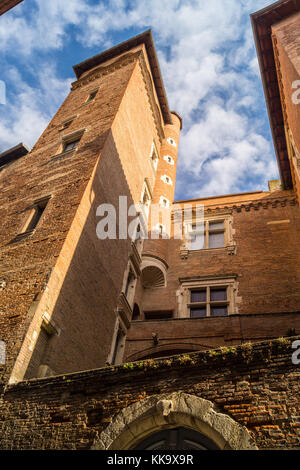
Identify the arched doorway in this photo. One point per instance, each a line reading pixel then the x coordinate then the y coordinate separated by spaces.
pixel 151 420
pixel 177 439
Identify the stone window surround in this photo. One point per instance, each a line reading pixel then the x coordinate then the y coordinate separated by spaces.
pixel 131 288
pixel 29 217
pixel 229 243
pixel 167 158
pixel 119 327
pixel 171 142
pixel 165 179
pixel 146 190
pixel 67 121
pixel 187 285
pixel 154 161
pixel 69 138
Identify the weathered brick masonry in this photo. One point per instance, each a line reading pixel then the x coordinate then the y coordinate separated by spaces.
pixel 71 303
pixel 257 385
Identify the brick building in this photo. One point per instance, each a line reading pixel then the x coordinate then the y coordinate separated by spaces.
pixel 96 323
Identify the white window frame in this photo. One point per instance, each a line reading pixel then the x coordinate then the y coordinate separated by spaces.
pixel 167 180
pixel 161 202
pixel 171 141
pixel 169 159
pixel 194 284
pixel 226 218
pixel 154 161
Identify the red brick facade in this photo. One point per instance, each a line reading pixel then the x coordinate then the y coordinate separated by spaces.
pixel 71 302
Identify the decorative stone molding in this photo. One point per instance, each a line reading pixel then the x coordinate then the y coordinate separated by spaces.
pixel 124 310
pixel 166 411
pixel 135 259
pixel 200 282
pixel 150 93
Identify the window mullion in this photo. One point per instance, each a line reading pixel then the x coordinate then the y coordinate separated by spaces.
pixel 208 301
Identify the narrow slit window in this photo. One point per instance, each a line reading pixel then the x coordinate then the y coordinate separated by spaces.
pixel 92 96
pixel 35 216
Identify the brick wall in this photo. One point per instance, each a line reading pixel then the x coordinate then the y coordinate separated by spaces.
pixel 265 233
pixel 286 49
pixel 258 386
pixel 63 269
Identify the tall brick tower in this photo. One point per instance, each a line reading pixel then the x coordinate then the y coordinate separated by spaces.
pixel 65 293
pixel 161 342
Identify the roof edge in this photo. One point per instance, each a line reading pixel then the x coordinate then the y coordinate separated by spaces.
pixel 145 38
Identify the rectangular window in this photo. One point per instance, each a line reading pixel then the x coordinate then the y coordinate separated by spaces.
pixel 71 145
pixel 209 302
pixel 35 215
pixel 92 96
pixel 212 235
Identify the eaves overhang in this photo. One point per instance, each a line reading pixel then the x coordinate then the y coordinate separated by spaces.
pixel 262 22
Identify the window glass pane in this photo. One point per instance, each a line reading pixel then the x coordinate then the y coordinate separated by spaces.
pixel 216 240
pixel 218 294
pixel 197 241
pixel 218 311
pixel 198 312
pixel 216 225
pixel 198 296
pixel 71 145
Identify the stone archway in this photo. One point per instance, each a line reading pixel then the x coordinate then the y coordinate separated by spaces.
pixel 158 412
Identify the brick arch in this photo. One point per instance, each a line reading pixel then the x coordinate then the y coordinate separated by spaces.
pixel 166 411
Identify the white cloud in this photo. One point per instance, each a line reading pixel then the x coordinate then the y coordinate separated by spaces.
pixel 27 112
pixel 209 65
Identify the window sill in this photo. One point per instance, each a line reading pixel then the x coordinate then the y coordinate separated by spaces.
pixel 22 236
pixel 230 249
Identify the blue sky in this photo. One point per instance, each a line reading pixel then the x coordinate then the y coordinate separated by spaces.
pixel 208 62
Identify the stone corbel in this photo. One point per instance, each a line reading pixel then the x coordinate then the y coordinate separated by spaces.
pixel 231 250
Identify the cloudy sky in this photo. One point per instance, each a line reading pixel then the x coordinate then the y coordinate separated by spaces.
pixel 208 62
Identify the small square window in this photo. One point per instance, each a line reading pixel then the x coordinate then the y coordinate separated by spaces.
pixel 208 301
pixel 92 96
pixel 71 145
pixel 198 312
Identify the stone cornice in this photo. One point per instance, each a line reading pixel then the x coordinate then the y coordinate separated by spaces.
pixel 249 205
